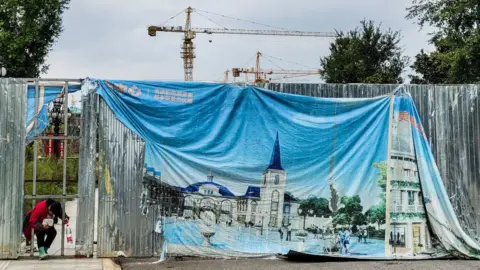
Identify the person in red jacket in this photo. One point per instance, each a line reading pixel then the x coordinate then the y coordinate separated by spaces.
pixel 48 209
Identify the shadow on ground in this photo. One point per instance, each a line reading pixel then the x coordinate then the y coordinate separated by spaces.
pixel 281 264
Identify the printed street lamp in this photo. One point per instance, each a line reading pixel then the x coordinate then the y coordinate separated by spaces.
pixel 261 231
pixel 309 211
pixel 300 211
pixel 265 220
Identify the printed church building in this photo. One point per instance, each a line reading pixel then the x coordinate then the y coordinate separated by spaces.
pixel 266 205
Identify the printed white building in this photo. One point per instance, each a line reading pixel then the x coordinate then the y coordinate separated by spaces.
pixel 209 196
pixel 408 229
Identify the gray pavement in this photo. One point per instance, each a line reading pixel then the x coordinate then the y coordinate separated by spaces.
pixel 60 264
pixel 279 264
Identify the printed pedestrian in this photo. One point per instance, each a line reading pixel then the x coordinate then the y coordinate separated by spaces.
pixel 289 232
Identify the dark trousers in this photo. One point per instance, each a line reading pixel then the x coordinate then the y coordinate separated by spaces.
pixel 289 236
pixel 50 233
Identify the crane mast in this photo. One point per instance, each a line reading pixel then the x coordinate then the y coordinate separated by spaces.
pixel 188 48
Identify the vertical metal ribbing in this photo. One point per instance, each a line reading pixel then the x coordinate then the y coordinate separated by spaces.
pixel 65 155
pixel 35 157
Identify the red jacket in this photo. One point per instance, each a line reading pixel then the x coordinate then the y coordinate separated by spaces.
pixel 34 218
pixel 37 215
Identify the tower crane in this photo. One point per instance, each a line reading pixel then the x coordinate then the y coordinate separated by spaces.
pixel 261 74
pixel 188 48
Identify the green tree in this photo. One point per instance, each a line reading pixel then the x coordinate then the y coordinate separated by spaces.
pixel 430 67
pixel 318 205
pixel 354 229
pixel 382 178
pixel 350 213
pixel 341 219
pixel 366 54
pixel 28 29
pixel 456 38
pixel 359 219
pixel 376 215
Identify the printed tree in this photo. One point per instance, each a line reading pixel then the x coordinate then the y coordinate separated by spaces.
pixel 319 206
pixel 376 214
pixel 350 213
pixel 382 178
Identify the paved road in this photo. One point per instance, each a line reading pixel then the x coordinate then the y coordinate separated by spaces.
pixel 278 264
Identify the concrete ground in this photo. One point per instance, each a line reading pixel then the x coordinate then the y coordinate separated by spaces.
pixel 279 264
pixel 52 264
pixel 60 264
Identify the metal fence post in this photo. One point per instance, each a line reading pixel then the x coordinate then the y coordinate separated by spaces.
pixel 35 156
pixel 65 150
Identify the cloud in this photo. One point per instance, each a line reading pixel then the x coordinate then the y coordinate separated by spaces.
pixel 108 38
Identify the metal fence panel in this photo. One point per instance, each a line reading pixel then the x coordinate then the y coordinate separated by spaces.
pixel 332 90
pixel 122 229
pixel 12 163
pixel 451 119
pixel 86 174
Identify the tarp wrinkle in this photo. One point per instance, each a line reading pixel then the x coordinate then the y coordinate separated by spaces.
pixel 253 172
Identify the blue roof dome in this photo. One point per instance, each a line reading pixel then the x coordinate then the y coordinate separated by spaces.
pixel 224 191
pixel 252 192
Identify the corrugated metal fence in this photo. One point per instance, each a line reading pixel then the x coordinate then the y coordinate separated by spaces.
pixel 87 173
pixel 13 100
pixel 122 229
pixel 451 119
pixel 450 115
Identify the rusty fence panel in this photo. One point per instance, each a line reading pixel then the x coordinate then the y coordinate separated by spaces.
pixel 122 229
pixel 12 163
pixel 451 119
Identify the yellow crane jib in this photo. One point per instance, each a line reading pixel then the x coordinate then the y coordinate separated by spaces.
pixel 189 32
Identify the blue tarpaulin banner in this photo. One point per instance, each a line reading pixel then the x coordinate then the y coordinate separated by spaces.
pixel 258 172
pixel 46 94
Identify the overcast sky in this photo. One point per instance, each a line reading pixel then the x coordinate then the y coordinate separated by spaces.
pixel 108 38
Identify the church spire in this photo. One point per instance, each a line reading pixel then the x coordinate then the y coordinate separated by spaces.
pixel 210 176
pixel 275 160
